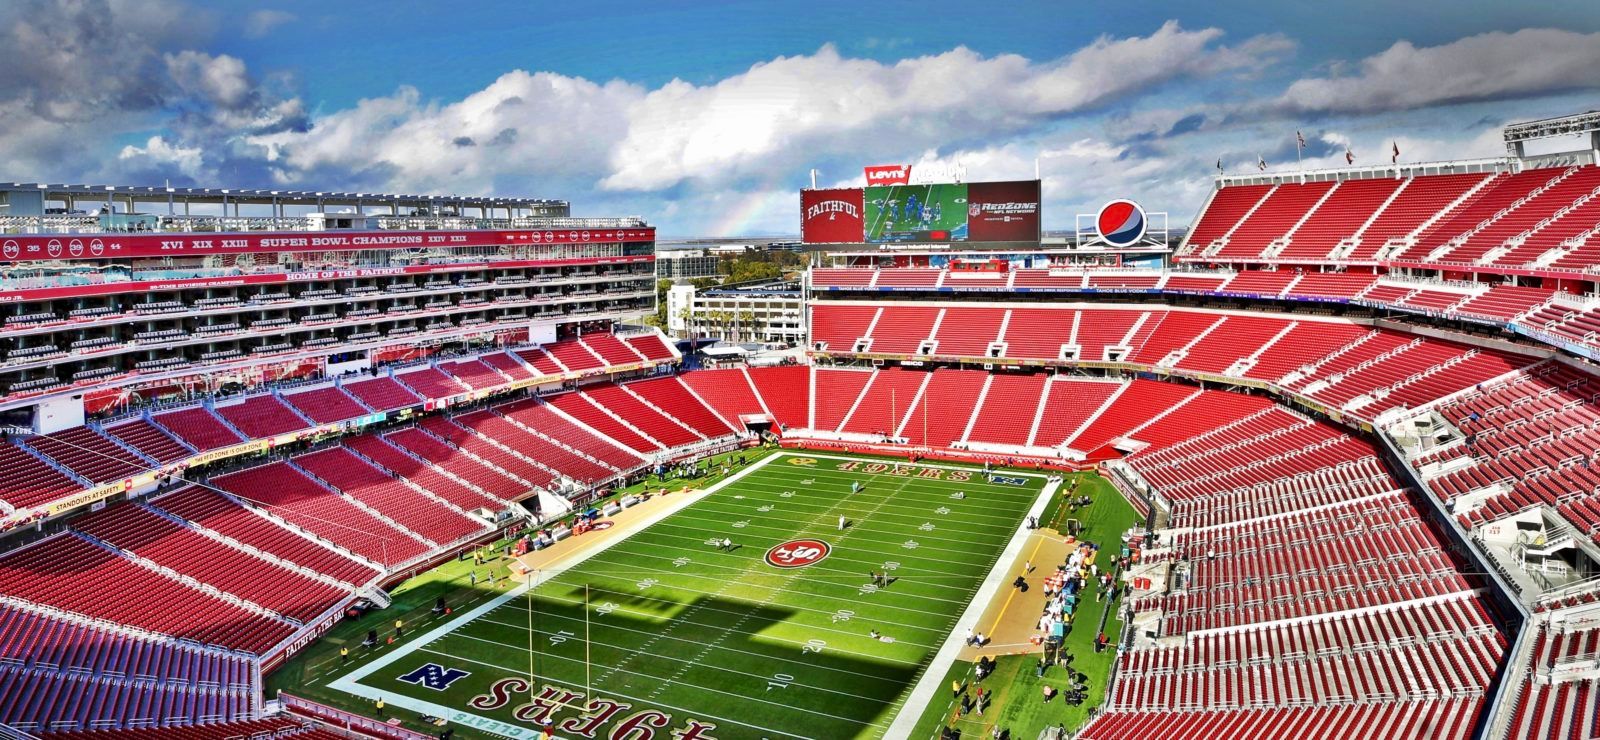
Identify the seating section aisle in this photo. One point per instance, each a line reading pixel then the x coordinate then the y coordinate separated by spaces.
pixel 149 440
pixel 1556 699
pixel 671 396
pixel 70 573
pixel 281 490
pixel 136 676
pixel 326 405
pixel 580 407
pixel 1388 369
pixel 390 458
pixel 486 477
pixel 539 417
pixel 947 403
pixel 382 394
pixel 254 729
pixel 887 400
pixel 89 455
pixel 198 428
pixel 786 390
pixel 230 570
pixel 509 461
pixel 389 496
pixel 728 391
pixel 216 512
pixel 836 394
pixel 1007 412
pixel 261 417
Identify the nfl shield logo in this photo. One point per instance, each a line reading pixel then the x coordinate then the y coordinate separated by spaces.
pixel 434 676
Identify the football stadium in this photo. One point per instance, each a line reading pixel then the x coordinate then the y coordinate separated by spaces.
pixel 1132 448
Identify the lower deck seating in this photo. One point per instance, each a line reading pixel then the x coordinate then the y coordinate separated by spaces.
pixel 32 699
pixel 149 440
pixel 287 493
pixel 253 729
pixel 326 405
pixel 1432 719
pixel 220 514
pixel 529 442
pixel 90 455
pixel 228 569
pixel 625 405
pixel 673 397
pixel 198 428
pixel 786 392
pixel 585 411
pixel 382 394
pixel 440 523
pixel 71 573
pixel 479 474
pixel 32 640
pixel 1557 699
pixel 538 416
pixel 392 459
pixel 31 481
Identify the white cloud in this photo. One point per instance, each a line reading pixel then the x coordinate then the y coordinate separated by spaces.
pixel 262 22
pixel 220 80
pixel 1526 63
pixel 833 103
pixel 524 126
pixel 158 154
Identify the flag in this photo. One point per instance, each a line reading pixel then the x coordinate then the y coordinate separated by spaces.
pixel 1349 157
pixel 1301 140
pixel 1219 164
pixel 1395 157
pixel 1261 163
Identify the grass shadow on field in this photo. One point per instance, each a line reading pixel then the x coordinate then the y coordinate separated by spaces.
pixel 837 692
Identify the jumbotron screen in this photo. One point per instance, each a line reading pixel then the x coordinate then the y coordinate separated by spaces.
pixel 917 214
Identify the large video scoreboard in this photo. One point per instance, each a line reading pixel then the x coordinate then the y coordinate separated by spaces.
pixel 922 213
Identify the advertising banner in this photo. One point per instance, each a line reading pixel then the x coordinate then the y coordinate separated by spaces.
pixel 1003 211
pixel 888 174
pixel 830 216
pixel 111 246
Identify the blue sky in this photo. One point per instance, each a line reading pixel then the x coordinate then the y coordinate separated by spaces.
pixel 706 116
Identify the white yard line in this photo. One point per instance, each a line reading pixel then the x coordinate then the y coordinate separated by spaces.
pixel 933 676
pixel 921 693
pixel 350 682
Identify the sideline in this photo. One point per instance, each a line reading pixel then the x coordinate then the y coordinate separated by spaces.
pixel 350 682
pixel 933 676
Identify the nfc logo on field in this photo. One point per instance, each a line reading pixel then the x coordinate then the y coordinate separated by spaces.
pixel 1007 480
pixel 435 676
pixel 798 553
pixel 1120 223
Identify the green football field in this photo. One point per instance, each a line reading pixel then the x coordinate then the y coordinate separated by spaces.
pixel 663 628
pixel 889 220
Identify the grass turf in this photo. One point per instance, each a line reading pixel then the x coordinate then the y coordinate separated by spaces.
pixel 722 637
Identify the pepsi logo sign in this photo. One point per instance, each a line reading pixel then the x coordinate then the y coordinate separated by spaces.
pixel 1120 223
pixel 798 553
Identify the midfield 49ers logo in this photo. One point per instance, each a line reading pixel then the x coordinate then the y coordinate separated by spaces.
pixel 798 553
